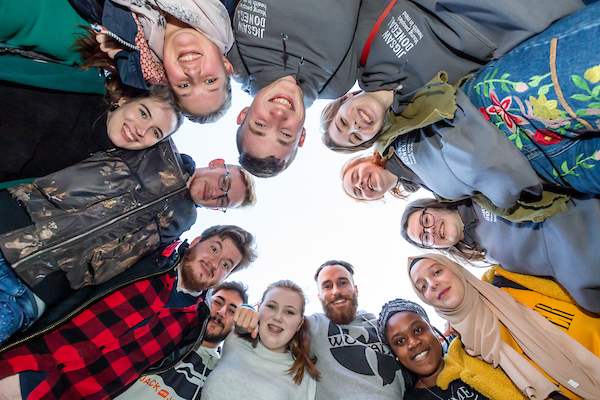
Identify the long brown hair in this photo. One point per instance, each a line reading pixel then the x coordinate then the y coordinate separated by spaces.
pixel 459 251
pixel 91 54
pixel 300 344
pixel 400 191
pixel 328 115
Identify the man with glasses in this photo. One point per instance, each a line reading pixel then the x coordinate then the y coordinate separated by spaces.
pixel 220 186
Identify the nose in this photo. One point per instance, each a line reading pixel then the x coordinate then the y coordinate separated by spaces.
pixel 357 126
pixel 221 310
pixel 278 316
pixel 279 113
pixel 413 342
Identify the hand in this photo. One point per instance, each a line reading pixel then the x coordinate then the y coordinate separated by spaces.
pixel 108 45
pixel 246 320
pixel 449 330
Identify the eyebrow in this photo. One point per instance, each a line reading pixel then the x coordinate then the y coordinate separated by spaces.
pixel 262 134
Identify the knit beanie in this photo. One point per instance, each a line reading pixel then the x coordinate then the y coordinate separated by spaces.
pixel 395 306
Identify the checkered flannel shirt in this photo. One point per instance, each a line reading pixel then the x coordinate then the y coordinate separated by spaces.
pixel 97 353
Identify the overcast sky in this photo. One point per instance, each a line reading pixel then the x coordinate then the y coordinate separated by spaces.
pixel 303 218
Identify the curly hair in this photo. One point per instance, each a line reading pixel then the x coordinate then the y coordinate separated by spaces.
pixel 400 191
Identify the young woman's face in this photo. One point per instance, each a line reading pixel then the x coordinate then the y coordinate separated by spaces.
pixel 415 344
pixel 367 181
pixel 441 287
pixel 358 120
pixel 139 124
pixel 435 228
pixel 280 317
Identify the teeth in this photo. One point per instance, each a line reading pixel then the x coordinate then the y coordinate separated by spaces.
pixel 442 231
pixel 421 355
pixel 128 133
pixel 281 101
pixel 339 301
pixel 365 117
pixel 370 184
pixel 190 57
pixel 275 328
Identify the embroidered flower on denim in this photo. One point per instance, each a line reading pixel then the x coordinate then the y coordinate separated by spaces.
pixel 593 74
pixel 544 108
pixel 500 108
pixel 546 137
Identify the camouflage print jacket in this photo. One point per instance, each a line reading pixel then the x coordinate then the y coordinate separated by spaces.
pixel 97 218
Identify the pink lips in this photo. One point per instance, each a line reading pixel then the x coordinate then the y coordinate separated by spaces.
pixel 124 131
pixel 360 110
pixel 443 293
pixel 283 96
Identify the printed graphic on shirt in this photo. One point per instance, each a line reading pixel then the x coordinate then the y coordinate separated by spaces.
pixel 251 18
pixel 404 150
pixel 488 216
pixel 402 34
pixel 185 381
pixel 359 350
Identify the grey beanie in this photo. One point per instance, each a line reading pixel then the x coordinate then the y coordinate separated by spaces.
pixel 395 306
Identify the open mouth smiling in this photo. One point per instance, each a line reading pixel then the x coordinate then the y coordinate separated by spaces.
pixel 284 101
pixel 187 57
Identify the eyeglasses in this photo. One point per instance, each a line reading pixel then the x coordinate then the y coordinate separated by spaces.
pixel 224 185
pixel 427 221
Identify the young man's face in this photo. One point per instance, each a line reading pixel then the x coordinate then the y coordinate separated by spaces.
pixel 223 305
pixel 208 263
pixel 273 124
pixel 338 294
pixel 208 186
pixel 196 70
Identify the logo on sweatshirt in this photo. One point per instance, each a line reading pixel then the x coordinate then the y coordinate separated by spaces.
pixel 251 18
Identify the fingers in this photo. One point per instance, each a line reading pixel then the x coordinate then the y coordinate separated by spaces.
pixel 449 330
pixel 246 319
pixel 108 45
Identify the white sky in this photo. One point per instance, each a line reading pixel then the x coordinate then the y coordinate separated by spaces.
pixel 303 218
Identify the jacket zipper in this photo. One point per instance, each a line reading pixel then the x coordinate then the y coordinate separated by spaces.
pixel 84 306
pixel 104 225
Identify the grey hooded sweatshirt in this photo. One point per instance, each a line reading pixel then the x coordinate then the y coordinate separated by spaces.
pixel 423 37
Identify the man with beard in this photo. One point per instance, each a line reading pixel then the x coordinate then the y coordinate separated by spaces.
pixel 353 361
pixel 125 329
pixel 186 380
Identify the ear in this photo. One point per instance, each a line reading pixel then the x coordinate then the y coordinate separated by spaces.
pixel 242 115
pixel 227 65
pixel 302 137
pixel 356 290
pixel 300 326
pixel 195 241
pixel 319 297
pixel 217 162
pixel 122 100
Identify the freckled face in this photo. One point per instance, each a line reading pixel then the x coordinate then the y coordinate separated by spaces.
pixel 441 287
pixel 280 317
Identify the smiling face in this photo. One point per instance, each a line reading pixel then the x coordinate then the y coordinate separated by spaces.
pixel 273 124
pixel 445 228
pixel 223 305
pixel 441 287
pixel 358 120
pixel 139 124
pixel 208 263
pixel 367 181
pixel 338 294
pixel 413 341
pixel 280 317
pixel 196 70
pixel 205 186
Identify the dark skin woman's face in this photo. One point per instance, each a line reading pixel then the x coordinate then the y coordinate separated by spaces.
pixel 415 344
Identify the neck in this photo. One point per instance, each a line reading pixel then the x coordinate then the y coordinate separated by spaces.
pixel 390 180
pixel 385 97
pixel 209 344
pixel 430 381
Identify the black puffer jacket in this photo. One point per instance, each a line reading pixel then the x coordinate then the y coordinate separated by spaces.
pixel 97 218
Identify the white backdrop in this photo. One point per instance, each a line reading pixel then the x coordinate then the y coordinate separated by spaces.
pixel 303 218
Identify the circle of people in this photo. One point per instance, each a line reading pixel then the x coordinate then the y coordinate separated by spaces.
pixel 493 106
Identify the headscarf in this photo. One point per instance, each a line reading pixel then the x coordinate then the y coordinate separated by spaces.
pixel 208 17
pixel 478 319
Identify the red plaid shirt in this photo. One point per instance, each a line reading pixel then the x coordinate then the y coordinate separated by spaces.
pixel 97 353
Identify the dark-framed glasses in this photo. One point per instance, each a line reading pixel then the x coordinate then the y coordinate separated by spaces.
pixel 224 185
pixel 427 220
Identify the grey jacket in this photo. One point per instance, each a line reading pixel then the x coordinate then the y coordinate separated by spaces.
pixel 564 246
pixel 321 32
pixel 424 37
pixel 464 156
pixel 95 219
